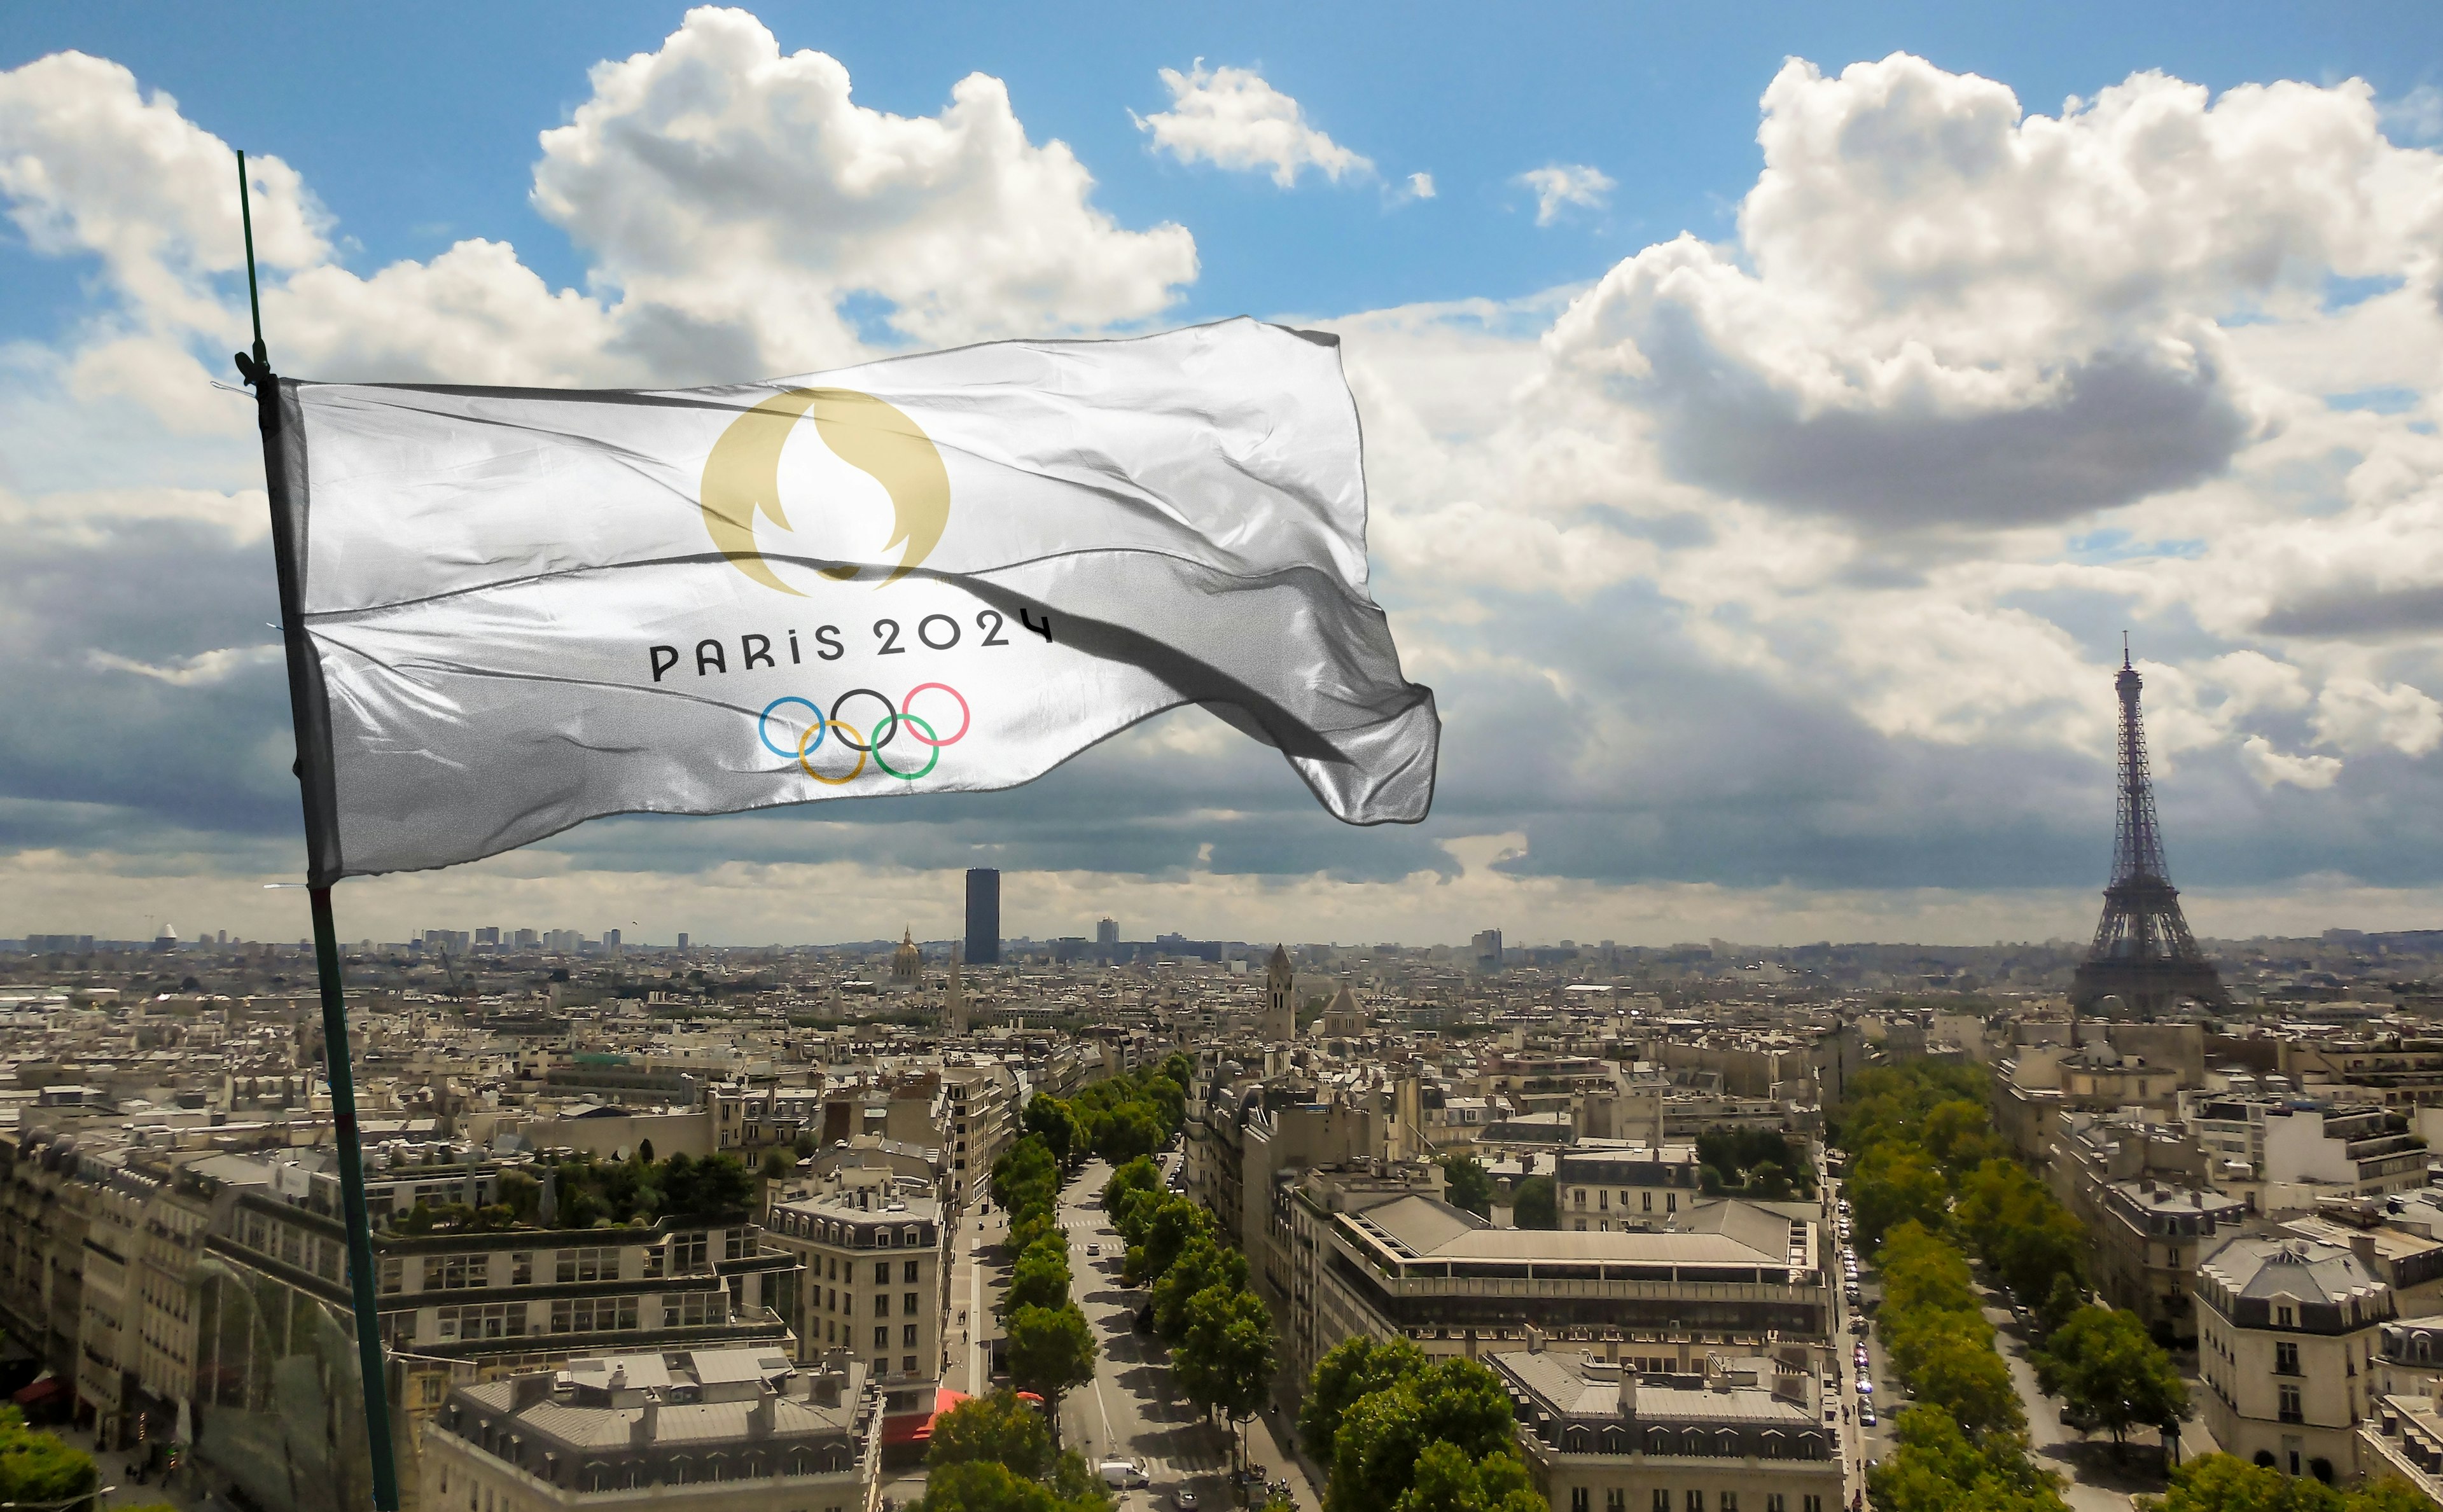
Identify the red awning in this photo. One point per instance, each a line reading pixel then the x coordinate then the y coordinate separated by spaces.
pixel 41 1390
pixel 910 1429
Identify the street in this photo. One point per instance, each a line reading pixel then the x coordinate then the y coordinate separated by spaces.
pixel 1130 1410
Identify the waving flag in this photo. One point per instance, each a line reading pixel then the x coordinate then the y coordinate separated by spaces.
pixel 947 572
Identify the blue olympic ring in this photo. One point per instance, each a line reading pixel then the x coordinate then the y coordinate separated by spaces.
pixel 763 727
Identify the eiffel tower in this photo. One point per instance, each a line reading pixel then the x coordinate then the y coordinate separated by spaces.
pixel 2143 952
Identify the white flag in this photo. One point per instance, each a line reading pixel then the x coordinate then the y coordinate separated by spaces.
pixel 947 572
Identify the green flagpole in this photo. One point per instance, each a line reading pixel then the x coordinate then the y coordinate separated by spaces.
pixel 313 775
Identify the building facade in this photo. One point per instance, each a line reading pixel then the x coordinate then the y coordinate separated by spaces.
pixel 2286 1347
pixel 873 1272
pixel 740 1430
pixel 1736 1435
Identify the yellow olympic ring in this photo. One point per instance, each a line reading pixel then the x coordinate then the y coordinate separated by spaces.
pixel 830 782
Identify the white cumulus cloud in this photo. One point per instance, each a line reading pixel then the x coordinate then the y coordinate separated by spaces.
pixel 1232 117
pixel 1560 185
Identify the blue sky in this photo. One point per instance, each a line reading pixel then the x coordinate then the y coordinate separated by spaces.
pixel 1771 580
pixel 417 124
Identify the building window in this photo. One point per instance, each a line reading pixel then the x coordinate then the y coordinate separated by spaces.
pixel 1813 1503
pixel 587 1265
pixel 1578 1499
pixel 2285 1358
pixel 2291 1412
pixel 882 1339
pixel 882 1304
pixel 908 1273
pixel 2282 1318
pixel 1774 1503
pixel 1661 1499
pixel 393 1275
pixel 522 1269
pixel 908 1364
pixel 1730 1501
pixel 882 1272
pixel 908 1305
pixel 1695 1502
pixel 457 1272
pixel 907 1335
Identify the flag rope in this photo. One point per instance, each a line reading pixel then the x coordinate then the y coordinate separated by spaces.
pixel 313 776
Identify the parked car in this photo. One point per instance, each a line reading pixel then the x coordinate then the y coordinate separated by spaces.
pixel 1183 1499
pixel 1121 1474
pixel 1866 1415
pixel 1857 1324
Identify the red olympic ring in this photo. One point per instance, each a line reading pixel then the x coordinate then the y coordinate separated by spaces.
pixel 908 704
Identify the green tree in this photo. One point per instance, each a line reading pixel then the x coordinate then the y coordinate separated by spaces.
pixel 2061 1304
pixel 985 1485
pixel 38 1467
pixel 1133 1132
pixel 1049 1120
pixel 1535 1205
pixel 1374 1454
pixel 1896 1184
pixel 1225 1360
pixel 1204 1263
pixel 1469 1186
pixel 1353 1369
pixel 1050 1349
pixel 1447 1481
pixel 1168 1226
pixel 778 1165
pixel 1041 1278
pixel 2225 1482
pixel 1935 1468
pixel 1140 1175
pixel 1960 1373
pixel 999 1428
pixel 2104 1368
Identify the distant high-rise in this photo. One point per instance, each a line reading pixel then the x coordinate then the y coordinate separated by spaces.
pixel 610 942
pixel 683 939
pixel 2143 952
pixel 1487 948
pixel 984 917
pixel 1107 932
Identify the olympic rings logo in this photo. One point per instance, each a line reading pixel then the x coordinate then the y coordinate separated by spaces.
pixel 829 726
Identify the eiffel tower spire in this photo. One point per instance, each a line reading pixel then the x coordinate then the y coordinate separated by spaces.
pixel 2143 952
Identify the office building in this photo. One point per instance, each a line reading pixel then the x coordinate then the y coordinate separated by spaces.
pixel 1107 932
pixel 984 917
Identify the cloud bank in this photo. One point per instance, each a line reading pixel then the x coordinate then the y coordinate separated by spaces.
pixel 1769 586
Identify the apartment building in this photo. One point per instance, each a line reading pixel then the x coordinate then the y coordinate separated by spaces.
pixel 740 1431
pixel 874 1276
pixel 2145 1226
pixel 1737 1435
pixel 2285 1155
pixel 1723 1275
pixel 1599 1186
pixel 2286 1347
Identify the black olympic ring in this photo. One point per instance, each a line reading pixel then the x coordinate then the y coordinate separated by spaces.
pixel 889 708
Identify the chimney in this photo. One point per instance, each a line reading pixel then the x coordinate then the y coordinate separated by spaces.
pixel 759 1417
pixel 525 1390
pixel 1627 1391
pixel 827 1386
pixel 648 1421
pixel 2363 1246
pixel 1534 1340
